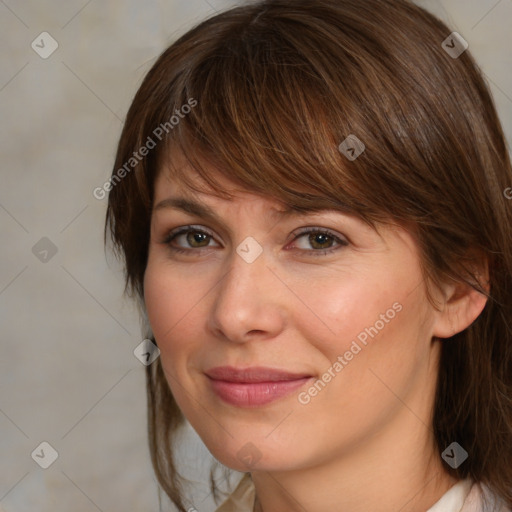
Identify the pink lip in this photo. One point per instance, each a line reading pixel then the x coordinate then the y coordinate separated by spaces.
pixel 254 386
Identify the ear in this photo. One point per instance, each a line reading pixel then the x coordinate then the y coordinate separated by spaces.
pixel 461 305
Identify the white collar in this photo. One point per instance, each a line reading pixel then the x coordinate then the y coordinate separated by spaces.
pixel 453 500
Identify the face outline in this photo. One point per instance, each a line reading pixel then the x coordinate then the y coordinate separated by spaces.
pixel 212 308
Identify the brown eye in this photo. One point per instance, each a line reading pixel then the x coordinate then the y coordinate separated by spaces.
pixel 198 239
pixel 318 241
pixel 188 238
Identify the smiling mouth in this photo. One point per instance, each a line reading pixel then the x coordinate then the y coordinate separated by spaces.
pixel 253 386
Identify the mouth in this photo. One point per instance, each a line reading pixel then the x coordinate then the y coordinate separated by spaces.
pixel 253 386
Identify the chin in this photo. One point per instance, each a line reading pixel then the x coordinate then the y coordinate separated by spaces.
pixel 256 455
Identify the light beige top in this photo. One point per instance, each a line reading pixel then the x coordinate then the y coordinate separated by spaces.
pixel 464 496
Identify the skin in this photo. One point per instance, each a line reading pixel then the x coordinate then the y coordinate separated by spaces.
pixel 364 442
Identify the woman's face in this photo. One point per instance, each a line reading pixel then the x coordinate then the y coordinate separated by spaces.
pixel 287 339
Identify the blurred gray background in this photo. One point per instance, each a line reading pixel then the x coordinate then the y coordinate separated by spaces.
pixel 68 376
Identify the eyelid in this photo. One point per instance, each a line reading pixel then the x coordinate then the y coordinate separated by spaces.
pixel 171 235
pixel 340 240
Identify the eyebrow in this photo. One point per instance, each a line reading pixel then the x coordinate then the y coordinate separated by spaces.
pixel 202 210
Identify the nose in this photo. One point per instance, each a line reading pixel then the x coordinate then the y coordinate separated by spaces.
pixel 248 302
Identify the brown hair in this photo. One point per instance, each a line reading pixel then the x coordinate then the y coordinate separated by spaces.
pixel 279 85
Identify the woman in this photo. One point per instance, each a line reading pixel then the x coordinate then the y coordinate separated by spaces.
pixel 309 198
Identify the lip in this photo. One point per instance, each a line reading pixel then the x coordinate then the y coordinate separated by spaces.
pixel 253 386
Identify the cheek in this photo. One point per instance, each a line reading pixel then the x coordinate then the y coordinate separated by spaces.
pixel 384 349
pixel 338 311
pixel 378 324
pixel 369 360
pixel 170 304
pixel 159 300
pixel 176 304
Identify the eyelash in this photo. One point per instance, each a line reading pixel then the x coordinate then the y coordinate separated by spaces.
pixel 306 231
